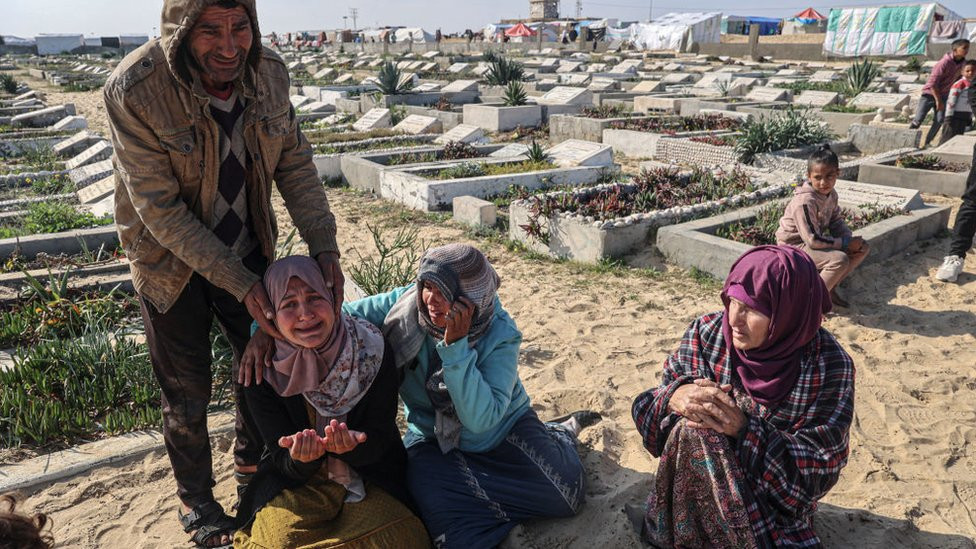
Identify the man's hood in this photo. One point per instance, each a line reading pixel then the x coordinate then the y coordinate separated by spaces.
pixel 179 16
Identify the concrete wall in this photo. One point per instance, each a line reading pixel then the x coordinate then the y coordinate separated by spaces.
pixel 794 52
pixel 461 48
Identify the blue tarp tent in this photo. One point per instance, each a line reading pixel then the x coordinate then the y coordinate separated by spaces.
pixel 736 24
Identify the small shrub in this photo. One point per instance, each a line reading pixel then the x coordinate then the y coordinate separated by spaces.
pixel 930 162
pixel 502 71
pixel 603 112
pixel 913 65
pixel 8 84
pixel 536 152
pixel 391 80
pixel 860 77
pixel 791 130
pixel 515 95
pixel 53 217
pixel 681 124
pixel 395 264
pixel 457 150
pixel 463 171
pixel 762 229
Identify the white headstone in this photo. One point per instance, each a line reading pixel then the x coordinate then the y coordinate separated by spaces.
pixel 345 77
pixel 459 86
pixel 457 68
pixel 906 78
pixel 887 101
pixel 647 86
pixel 97 191
pixel 812 98
pixel 431 54
pixel 316 107
pixel 416 124
pixel 297 101
pixel 76 122
pixel 568 66
pixel 374 119
pixel 462 133
pixel 428 87
pixel 325 73
pixel 508 151
pixel 576 152
pixel 824 76
pixel 767 95
pixel 101 150
pixel 853 194
pixel 677 78
pixel 565 95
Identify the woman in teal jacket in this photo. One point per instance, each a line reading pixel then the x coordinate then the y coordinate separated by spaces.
pixel 479 459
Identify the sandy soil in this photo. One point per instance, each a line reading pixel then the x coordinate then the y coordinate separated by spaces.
pixel 596 339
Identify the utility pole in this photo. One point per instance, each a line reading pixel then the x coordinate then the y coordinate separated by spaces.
pixel 650 11
pixel 579 9
pixel 344 24
pixel 354 13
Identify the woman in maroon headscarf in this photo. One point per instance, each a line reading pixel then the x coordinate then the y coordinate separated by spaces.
pixel 334 468
pixel 752 415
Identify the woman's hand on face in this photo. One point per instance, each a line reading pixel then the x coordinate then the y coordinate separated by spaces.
pixel 458 320
pixel 339 439
pixel 257 356
pixel 304 446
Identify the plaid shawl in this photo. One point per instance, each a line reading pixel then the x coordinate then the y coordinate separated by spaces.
pixel 791 454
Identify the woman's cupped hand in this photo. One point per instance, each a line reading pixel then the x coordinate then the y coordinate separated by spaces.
pixel 708 405
pixel 306 446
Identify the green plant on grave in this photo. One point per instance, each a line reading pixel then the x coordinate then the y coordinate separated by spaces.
pixel 761 230
pixel 502 71
pixel 391 81
pixel 8 84
pixel 53 217
pixel 930 162
pixel 724 88
pixel 457 150
pixel 463 171
pixel 850 109
pixel 603 112
pixel 397 114
pixel 536 152
pixel 55 184
pixel 913 65
pixel 40 159
pixel 395 263
pixel 515 95
pixel 860 77
pixel 795 128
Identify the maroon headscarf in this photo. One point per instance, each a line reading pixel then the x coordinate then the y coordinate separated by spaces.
pixel 782 283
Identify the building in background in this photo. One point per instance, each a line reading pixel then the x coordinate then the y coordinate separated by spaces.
pixel 543 9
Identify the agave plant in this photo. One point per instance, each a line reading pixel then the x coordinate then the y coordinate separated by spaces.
pixel 515 95
pixel 390 80
pixel 860 77
pixel 536 152
pixel 502 71
pixel 724 87
pixel 8 84
pixel 791 130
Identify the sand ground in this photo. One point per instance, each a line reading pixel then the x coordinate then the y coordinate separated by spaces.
pixel 596 338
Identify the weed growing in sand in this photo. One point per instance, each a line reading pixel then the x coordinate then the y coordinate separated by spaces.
pixel 51 217
pixel 394 265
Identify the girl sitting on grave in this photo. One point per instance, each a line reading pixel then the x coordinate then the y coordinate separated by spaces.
pixel 752 416
pixel 814 222
pixel 333 467
pixel 480 460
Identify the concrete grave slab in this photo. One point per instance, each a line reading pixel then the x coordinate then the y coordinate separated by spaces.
pixel 374 119
pixel 566 66
pixel 812 98
pixel 926 181
pixel 298 101
pixel 70 123
pixel 103 207
pixel 344 78
pixel 86 175
pixel 75 144
pixel 462 133
pixel 97 191
pixel 647 86
pixel 824 76
pixel 576 152
pixel 961 145
pixel 566 95
pixel 43 117
pixel 678 78
pixel 495 118
pixel 461 86
pixel 475 212
pixel 427 87
pixel 767 95
pixel 853 194
pixel 888 101
pixel 316 107
pixel 458 68
pixel 416 124
pixel 509 151
pixel 101 150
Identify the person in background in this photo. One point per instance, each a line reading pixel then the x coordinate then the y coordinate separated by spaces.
pixel 935 93
pixel 19 531
pixel 959 112
pixel 964 228
pixel 814 222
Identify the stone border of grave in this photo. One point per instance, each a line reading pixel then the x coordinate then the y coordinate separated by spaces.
pixel 839 122
pixel 695 245
pixel 499 118
pixel 682 150
pixel 732 104
pixel 67 242
pixel 926 181
pixel 587 239
pixel 328 164
pixel 568 126
pixel 13 207
pixel 665 103
pixel 362 171
pixel 429 195
pixel 794 161
pixel 33 474
pixel 13 147
pixel 638 144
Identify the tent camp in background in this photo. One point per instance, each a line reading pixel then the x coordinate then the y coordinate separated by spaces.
pixel 54 44
pixel 808 21
pixel 413 34
pixel 677 31
pixel 737 24
pixel 519 33
pixel 884 30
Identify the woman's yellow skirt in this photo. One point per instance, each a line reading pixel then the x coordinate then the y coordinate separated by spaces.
pixel 315 516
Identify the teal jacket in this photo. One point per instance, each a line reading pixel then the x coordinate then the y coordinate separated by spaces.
pixel 483 381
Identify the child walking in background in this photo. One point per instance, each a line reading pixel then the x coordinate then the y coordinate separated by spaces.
pixel 814 223
pixel 959 112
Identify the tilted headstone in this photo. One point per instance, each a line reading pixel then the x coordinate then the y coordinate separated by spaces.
pixel 566 95
pixel 459 86
pixel 576 152
pixel 887 101
pixel 101 150
pixel 853 194
pixel 647 86
pixel 86 175
pixel 374 119
pixel 417 124
pixel 767 95
pixel 813 98
pixel 97 191
pixel 462 133
pixel 509 151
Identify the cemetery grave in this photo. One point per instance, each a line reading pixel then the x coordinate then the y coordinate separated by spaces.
pixel 889 219
pixel 645 137
pixel 928 172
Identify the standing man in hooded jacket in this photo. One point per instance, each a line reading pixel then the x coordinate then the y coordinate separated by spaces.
pixel 202 124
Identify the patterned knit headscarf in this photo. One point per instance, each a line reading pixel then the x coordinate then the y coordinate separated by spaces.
pixel 457 270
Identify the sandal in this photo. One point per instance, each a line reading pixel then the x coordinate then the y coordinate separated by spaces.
pixel 585 418
pixel 209 521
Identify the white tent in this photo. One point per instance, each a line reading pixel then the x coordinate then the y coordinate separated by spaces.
pixel 677 31
pixel 416 33
pixel 902 29
pixel 53 44
pixel 129 40
pixel 11 40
